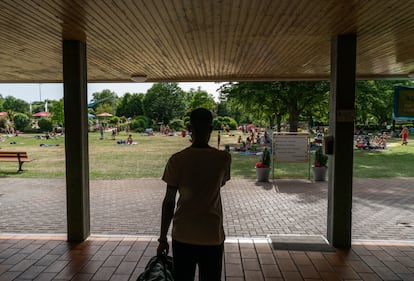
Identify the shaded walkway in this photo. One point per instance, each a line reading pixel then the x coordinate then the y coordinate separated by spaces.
pixel 383 209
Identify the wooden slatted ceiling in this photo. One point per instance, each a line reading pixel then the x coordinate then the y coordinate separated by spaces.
pixel 199 40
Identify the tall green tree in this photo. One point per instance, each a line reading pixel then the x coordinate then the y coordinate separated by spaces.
pixel 1 103
pixel 374 100
pixel 57 112
pixel 200 98
pixel 104 100
pixel 164 102
pixel 104 107
pixel 246 99
pixel 274 100
pixel 130 105
pixel 226 108
pixel 298 96
pixel 258 100
pixel 11 105
pixel 38 106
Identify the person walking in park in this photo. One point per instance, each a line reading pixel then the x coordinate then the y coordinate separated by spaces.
pixel 404 135
pixel 198 172
pixel 101 131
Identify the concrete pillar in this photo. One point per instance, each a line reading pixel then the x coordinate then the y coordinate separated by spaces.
pixel 341 127
pixel 76 139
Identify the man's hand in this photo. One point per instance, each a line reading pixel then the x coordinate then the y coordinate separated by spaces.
pixel 168 205
pixel 167 213
pixel 163 247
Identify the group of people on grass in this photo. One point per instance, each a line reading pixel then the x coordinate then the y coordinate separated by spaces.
pixel 367 142
pixel 129 140
pixel 254 138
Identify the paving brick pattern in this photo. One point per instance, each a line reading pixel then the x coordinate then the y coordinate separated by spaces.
pixel 124 258
pixel 383 209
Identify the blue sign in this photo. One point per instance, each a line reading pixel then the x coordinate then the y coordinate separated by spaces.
pixel 403 103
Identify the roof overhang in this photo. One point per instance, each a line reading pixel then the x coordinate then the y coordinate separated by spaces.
pixel 198 40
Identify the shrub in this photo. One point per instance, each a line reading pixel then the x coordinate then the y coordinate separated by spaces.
pixel 265 161
pixel 176 124
pixel 225 120
pixel 31 130
pixel 320 158
pixel 4 123
pixel 45 125
pixel 114 120
pixel 186 121
pixel 140 122
pixel 21 121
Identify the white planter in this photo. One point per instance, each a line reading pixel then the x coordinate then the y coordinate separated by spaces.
pixel 262 174
pixel 319 173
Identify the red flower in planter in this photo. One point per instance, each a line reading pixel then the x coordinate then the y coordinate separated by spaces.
pixel 260 165
pixel 317 164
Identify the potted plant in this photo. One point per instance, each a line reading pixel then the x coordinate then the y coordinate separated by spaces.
pixel 319 165
pixel 263 167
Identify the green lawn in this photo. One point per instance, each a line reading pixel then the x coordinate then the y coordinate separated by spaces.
pixel 147 159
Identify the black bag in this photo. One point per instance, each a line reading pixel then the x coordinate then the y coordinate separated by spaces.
pixel 159 268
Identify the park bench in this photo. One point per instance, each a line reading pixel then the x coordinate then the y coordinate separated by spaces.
pixel 15 156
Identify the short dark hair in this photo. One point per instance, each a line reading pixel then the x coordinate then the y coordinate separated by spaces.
pixel 201 117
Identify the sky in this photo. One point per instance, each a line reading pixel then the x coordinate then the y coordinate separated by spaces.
pixel 54 91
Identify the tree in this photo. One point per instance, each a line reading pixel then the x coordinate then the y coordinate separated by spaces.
pixel 257 100
pixel 38 106
pixel 273 100
pixel 104 99
pixel 226 108
pixel 1 103
pixel 130 105
pixel 374 100
pixel 164 102
pixel 104 107
pixel 11 104
pixel 57 111
pixel 201 98
pixel 299 96
pixel 319 111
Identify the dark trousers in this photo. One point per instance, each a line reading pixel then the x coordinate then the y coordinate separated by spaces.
pixel 187 256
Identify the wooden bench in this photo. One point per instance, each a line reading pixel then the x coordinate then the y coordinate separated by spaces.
pixel 15 156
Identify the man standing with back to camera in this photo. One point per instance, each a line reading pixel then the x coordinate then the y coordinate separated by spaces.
pixel 197 173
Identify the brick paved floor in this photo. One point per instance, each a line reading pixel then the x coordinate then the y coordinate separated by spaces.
pixel 24 257
pixel 383 209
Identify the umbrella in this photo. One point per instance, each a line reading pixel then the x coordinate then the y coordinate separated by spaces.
pixel 42 114
pixel 104 114
pixel 249 127
pixel 3 113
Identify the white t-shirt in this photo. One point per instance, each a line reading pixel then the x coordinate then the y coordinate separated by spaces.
pixel 198 173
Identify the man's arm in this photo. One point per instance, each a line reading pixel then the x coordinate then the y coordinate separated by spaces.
pixel 168 206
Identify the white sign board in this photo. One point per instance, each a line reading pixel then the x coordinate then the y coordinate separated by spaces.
pixel 290 148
